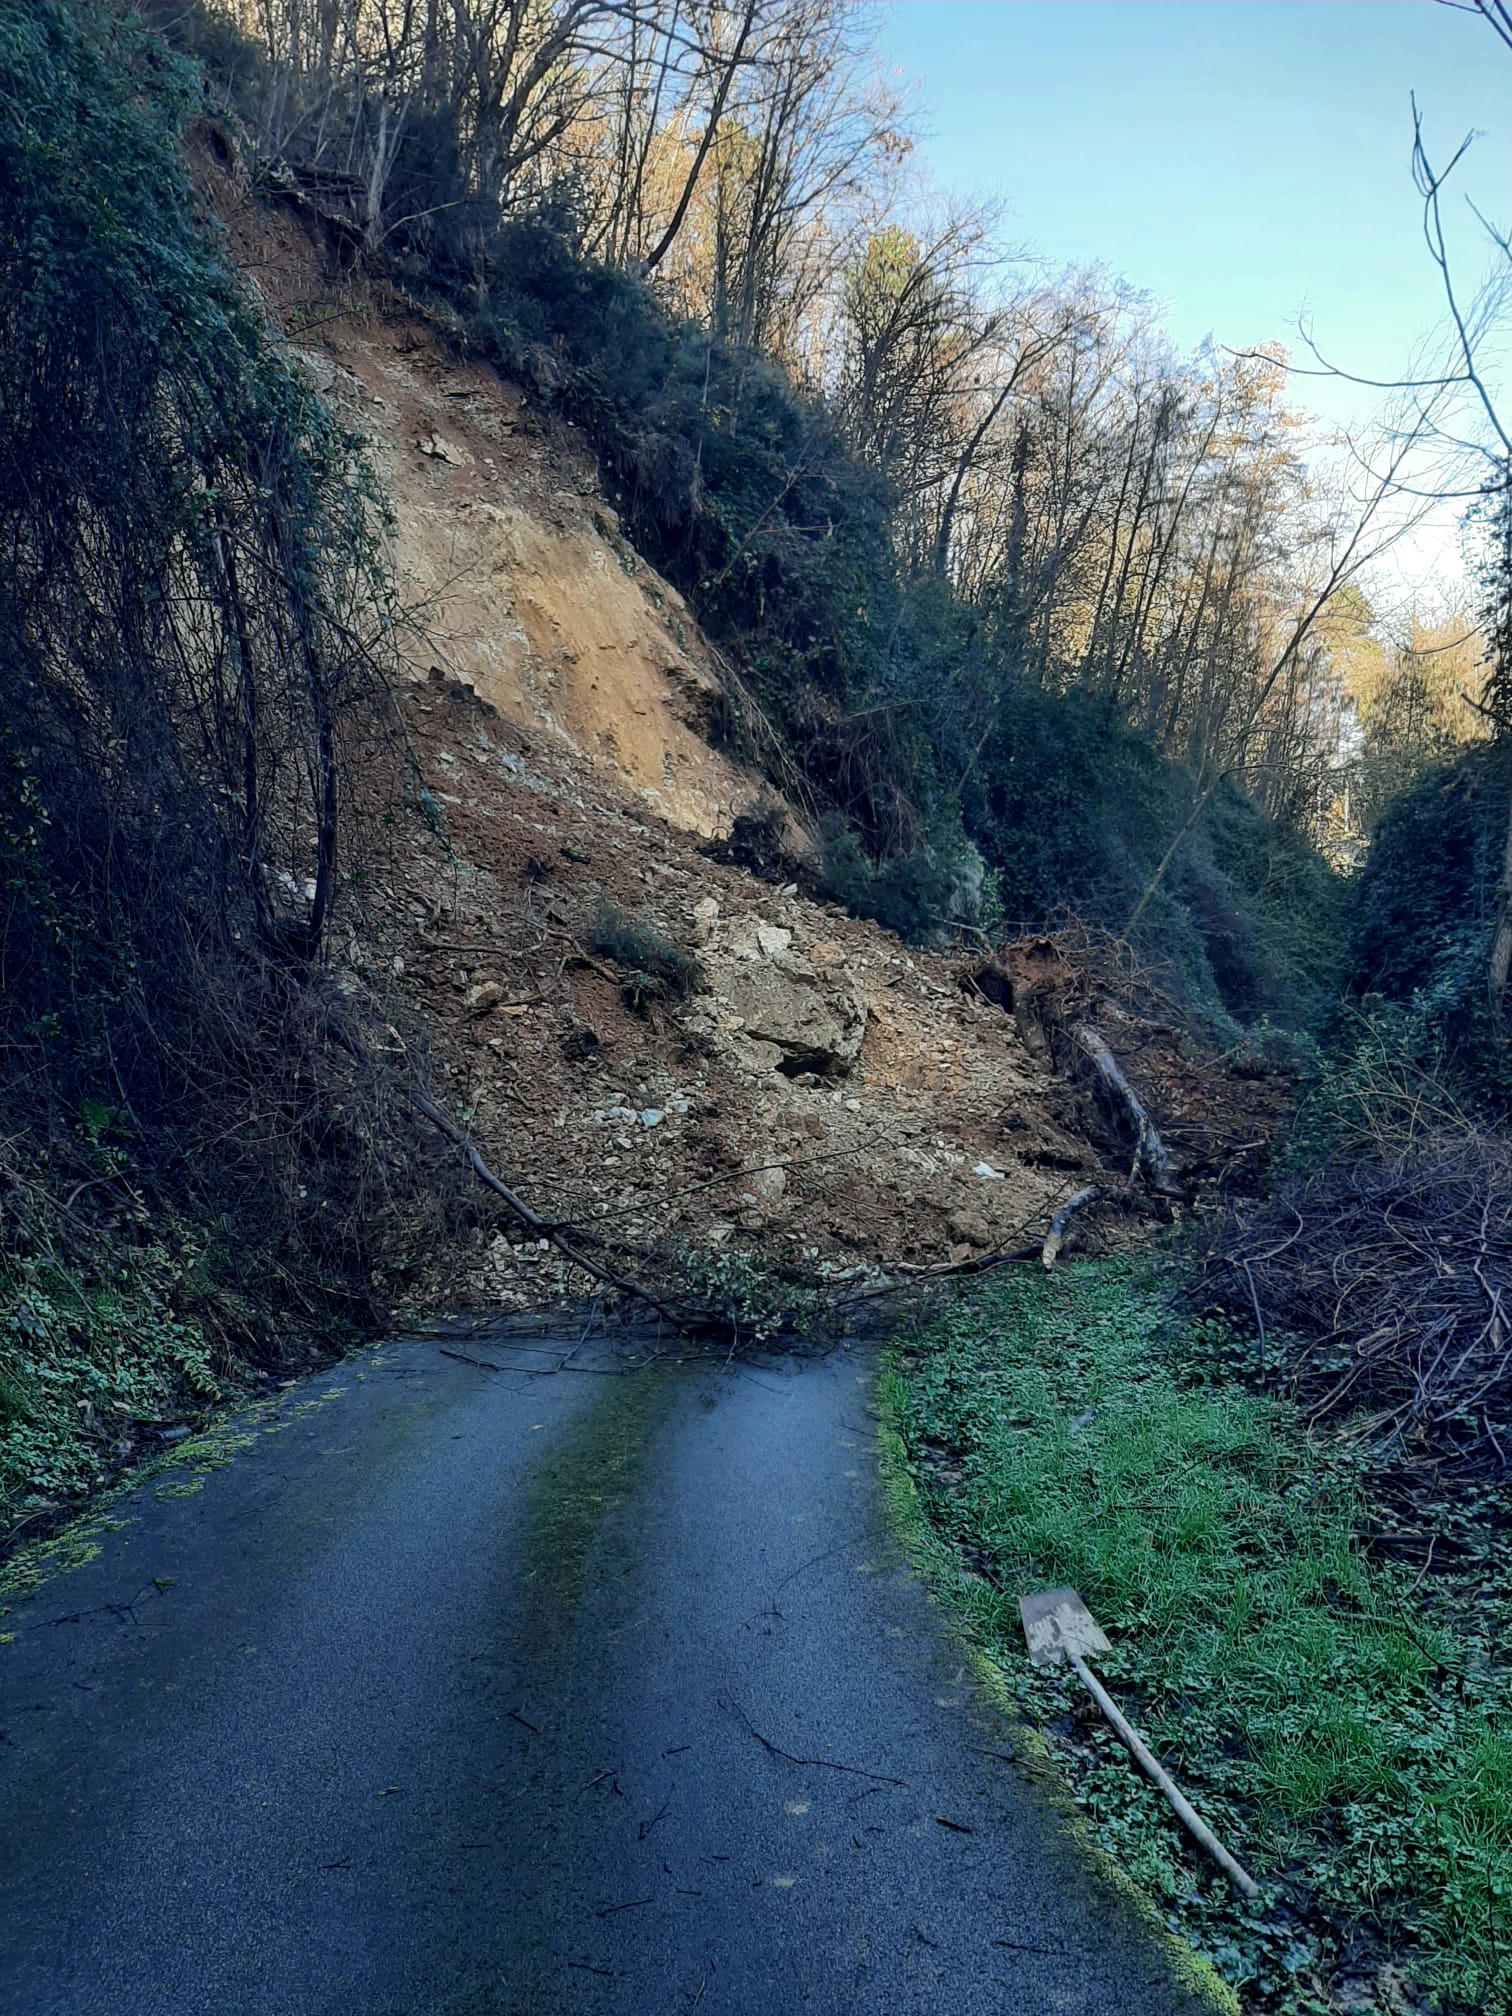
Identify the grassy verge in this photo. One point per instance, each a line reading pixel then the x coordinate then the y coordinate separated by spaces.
pixel 1349 1735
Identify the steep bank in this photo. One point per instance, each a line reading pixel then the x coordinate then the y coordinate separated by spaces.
pixel 510 567
pixel 820 1083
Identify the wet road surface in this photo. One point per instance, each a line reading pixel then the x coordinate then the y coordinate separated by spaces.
pixel 575 1695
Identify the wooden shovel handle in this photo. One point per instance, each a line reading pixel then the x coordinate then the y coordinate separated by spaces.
pixel 1180 1805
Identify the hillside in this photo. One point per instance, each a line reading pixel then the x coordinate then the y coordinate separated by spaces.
pixel 624 746
pixel 359 769
pixel 822 1082
pixel 509 563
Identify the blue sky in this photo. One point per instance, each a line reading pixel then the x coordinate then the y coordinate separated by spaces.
pixel 1242 162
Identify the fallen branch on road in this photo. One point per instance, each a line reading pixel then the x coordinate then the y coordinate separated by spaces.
pixel 808 1763
pixel 542 1227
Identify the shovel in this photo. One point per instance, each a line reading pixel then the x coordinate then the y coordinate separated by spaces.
pixel 1058 1627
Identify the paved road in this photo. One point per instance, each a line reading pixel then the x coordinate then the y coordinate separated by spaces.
pixel 467 1691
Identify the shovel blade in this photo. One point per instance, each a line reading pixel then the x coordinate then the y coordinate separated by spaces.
pixel 1056 1621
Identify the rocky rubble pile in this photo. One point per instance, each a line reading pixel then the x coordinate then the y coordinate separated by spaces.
pixel 820 1082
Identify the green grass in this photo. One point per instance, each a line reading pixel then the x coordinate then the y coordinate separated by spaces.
pixel 1353 1749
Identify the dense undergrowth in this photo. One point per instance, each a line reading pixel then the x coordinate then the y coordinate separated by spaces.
pixel 1423 911
pixel 1342 1724
pixel 201 1157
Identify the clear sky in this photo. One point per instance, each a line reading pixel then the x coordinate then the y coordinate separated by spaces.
pixel 1243 161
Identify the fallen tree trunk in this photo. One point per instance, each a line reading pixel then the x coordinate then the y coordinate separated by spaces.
pixel 1150 1157
pixel 1060 1224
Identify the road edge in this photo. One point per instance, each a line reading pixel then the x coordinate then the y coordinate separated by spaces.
pixel 1193 1969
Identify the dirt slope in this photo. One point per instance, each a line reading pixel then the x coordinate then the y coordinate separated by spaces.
pixel 509 563
pixel 819 1081
pixel 876 1109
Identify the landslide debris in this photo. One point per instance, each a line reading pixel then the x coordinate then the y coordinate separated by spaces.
pixel 819 1083
pixel 808 1081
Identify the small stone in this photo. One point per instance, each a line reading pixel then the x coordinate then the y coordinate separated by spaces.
pixel 988 1174
pixel 652 1116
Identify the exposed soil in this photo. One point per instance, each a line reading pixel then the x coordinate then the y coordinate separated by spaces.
pixel 592 1104
pixel 821 1083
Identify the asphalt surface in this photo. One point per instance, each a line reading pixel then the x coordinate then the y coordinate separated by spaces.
pixel 468 1691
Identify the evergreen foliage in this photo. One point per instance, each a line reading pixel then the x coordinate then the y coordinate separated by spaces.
pixel 192 641
pixel 1424 908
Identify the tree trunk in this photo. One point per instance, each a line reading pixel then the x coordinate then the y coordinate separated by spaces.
pixel 716 113
pixel 1501 943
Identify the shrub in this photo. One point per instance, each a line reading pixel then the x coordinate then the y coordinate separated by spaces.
pixel 653 966
pixel 923 895
pixel 1424 908
pixel 757 842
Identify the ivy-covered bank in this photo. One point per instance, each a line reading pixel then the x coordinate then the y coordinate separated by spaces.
pixel 204 1160
pixel 1345 1728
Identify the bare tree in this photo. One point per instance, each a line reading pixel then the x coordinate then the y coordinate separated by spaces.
pixel 1353 544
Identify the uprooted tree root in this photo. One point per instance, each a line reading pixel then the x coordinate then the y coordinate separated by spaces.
pixel 1380 1290
pixel 1084 998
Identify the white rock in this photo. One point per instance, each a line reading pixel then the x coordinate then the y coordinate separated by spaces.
pixel 439 449
pixel 772 940
pixel 988 1174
